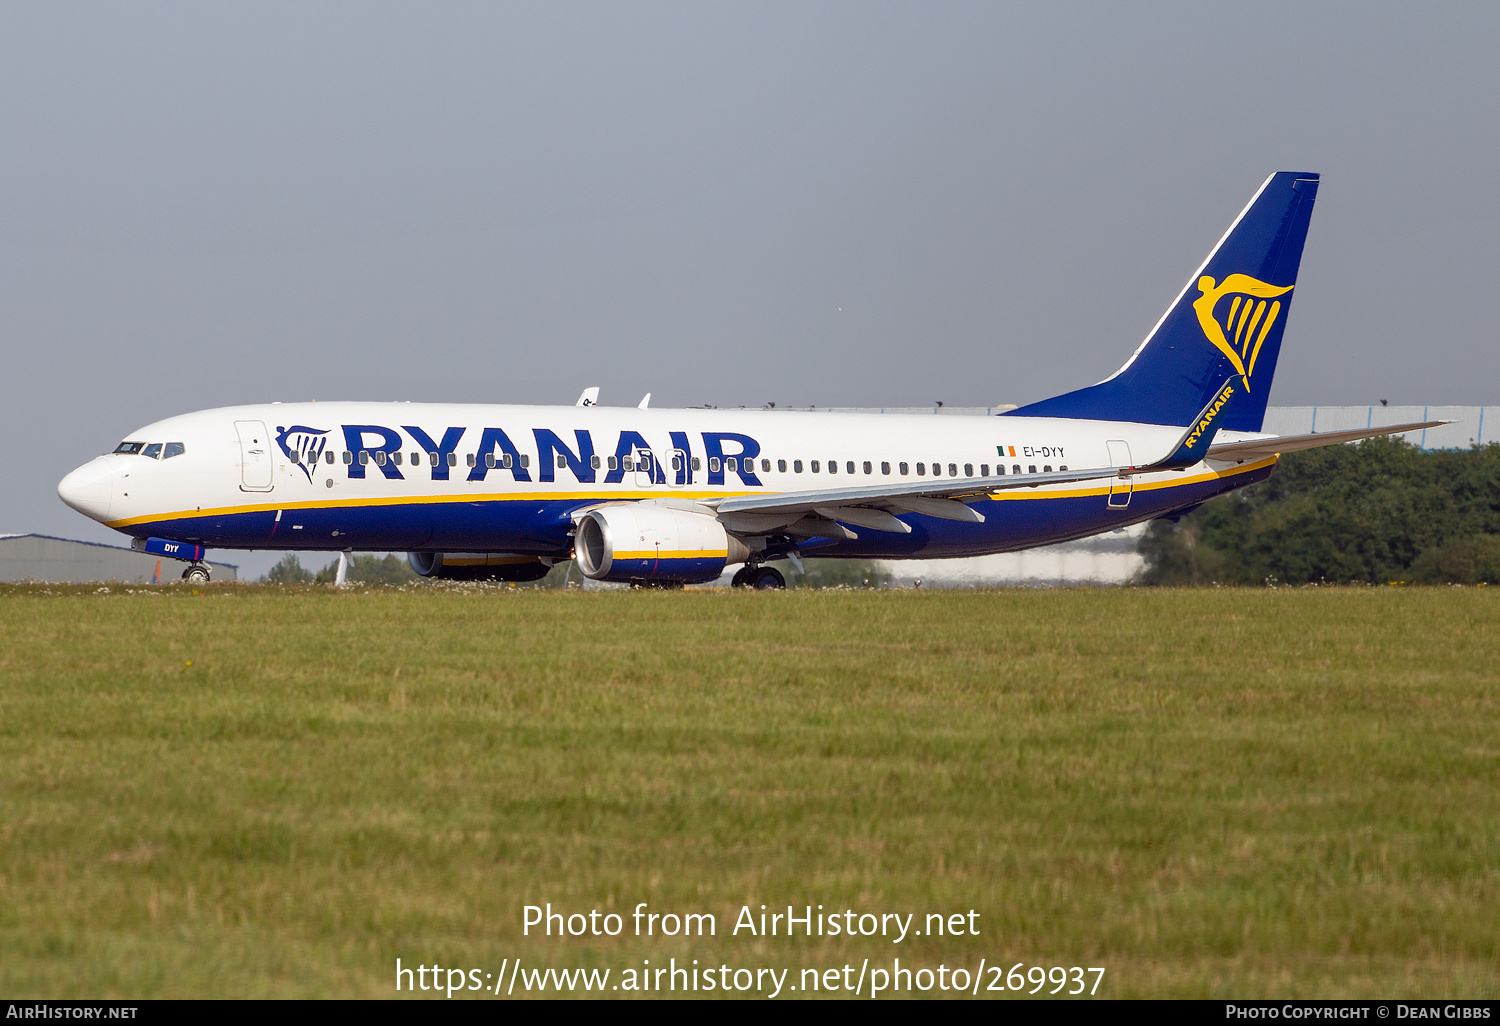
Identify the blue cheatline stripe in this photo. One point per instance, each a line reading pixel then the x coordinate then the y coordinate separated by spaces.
pixel 1314 429
pixel 1423 443
pixel 695 569
pixel 1369 416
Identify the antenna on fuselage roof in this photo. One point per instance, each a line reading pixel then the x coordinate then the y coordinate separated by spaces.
pixel 645 402
pixel 590 397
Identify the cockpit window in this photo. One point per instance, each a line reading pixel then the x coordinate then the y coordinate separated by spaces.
pixel 152 451
pixel 129 448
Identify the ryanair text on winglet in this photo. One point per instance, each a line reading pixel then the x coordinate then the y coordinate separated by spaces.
pixel 1208 418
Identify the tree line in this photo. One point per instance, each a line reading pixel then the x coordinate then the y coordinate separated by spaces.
pixel 1378 512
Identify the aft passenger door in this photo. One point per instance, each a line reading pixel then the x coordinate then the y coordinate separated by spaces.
pixel 1119 487
pixel 255 456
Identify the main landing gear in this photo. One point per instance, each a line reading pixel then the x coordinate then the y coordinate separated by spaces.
pixel 196 573
pixel 759 577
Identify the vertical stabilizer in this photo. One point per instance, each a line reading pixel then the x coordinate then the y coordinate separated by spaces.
pixel 1228 320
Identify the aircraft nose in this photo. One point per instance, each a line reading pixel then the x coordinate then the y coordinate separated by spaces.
pixel 90 489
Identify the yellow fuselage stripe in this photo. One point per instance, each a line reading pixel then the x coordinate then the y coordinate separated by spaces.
pixel 674 554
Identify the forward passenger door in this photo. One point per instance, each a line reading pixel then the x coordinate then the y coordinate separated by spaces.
pixel 255 456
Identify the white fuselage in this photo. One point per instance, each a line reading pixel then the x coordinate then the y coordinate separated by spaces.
pixel 418 477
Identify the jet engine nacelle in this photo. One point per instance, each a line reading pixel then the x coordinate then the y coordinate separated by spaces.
pixel 477 566
pixel 654 543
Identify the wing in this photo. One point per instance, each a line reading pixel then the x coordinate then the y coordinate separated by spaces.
pixel 816 514
pixel 1293 443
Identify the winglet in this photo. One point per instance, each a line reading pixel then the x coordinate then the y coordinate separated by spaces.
pixel 645 403
pixel 590 397
pixel 1192 447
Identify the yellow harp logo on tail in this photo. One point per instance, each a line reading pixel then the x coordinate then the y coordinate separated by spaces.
pixel 1238 328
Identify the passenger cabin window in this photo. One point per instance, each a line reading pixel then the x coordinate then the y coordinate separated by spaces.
pixel 364 457
pixel 416 459
pixel 1062 468
pixel 903 469
pixel 396 458
pixel 885 468
pixel 453 459
pixel 850 467
pixel 765 466
pixel 177 449
pixel 614 463
pixel 348 457
pixel 130 448
pixel 432 458
pixel 953 470
pixel 471 459
pixel 489 460
pixel 984 470
pixel 525 460
pixel 796 466
pixel 1046 468
pixel 833 466
pixel 562 461
pixel 152 451
pixel 594 462
pixel 921 470
pixel 1016 469
pixel 968 470
pixel 628 462
pixel 868 468
pixel 781 466
pixel 505 461
pixel 1031 468
pixel 676 463
pixel 697 463
pixel 713 465
pixel 937 470
pixel 814 466
pixel 380 457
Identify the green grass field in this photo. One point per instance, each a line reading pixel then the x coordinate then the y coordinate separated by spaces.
pixel 278 792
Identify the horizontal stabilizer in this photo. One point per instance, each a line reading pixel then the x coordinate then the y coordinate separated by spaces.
pixel 1292 443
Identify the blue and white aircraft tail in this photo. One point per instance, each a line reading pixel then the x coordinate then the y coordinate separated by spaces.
pixel 658 496
pixel 1237 302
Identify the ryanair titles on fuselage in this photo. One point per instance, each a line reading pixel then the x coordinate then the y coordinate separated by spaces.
pixel 381 449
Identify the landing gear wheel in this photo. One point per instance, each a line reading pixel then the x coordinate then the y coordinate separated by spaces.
pixel 196 574
pixel 767 577
pixel 738 580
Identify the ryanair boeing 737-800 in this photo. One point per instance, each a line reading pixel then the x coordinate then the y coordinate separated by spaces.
pixel 676 496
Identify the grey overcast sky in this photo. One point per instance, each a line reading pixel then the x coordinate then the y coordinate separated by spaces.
pixel 830 203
